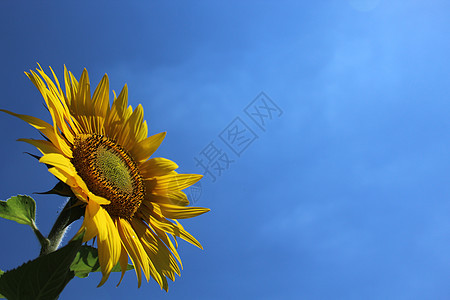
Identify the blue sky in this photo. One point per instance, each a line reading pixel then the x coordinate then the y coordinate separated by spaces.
pixel 343 196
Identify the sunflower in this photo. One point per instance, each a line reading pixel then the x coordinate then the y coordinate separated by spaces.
pixel 131 202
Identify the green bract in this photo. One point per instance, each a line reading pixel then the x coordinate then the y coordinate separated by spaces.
pixel 86 261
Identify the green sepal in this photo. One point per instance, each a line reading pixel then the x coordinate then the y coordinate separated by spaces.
pixel 20 208
pixel 86 261
pixel 42 278
pixel 60 189
pixel 32 155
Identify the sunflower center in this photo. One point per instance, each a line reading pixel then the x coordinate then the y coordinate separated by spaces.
pixel 109 172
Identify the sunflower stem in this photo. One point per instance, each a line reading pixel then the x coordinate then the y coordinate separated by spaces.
pixel 41 238
pixel 69 214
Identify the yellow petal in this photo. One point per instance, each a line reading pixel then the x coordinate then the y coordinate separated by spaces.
pixel 172 197
pixel 140 228
pixel 98 199
pixel 174 182
pixel 89 224
pixel 45 147
pixel 157 166
pixel 108 240
pixel 55 100
pixel 56 81
pixel 121 103
pixel 60 161
pixel 173 264
pixel 187 236
pixel 100 102
pixel 163 259
pixel 64 177
pixel 82 105
pixel 116 115
pixel 134 124
pixel 179 212
pixel 143 132
pixel 84 94
pixel 123 261
pixel 126 134
pixel 173 229
pixel 65 171
pixel 46 129
pixel 156 251
pixel 134 248
pixel 145 148
pixel 70 88
pixel 101 97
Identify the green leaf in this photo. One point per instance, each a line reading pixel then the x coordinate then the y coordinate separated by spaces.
pixel 43 278
pixel 20 208
pixel 86 261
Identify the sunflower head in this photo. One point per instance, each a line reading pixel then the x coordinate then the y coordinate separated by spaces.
pixel 102 153
pixel 109 171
